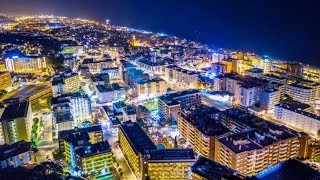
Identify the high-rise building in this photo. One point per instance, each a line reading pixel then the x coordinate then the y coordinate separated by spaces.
pixel 65 83
pixel 84 148
pixel 181 77
pixel 299 116
pixel 200 126
pixel 5 80
pixel 16 122
pixel 269 98
pixel 148 162
pixel 110 93
pixel 151 87
pixel 21 63
pixel 169 105
pixel 253 151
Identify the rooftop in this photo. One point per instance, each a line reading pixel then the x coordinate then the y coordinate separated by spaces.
pixel 14 111
pixel 94 149
pixel 290 169
pixel 7 151
pixel 78 136
pixel 212 170
pixel 204 119
pixel 172 154
pixel 138 139
pixel 172 98
pixel 299 108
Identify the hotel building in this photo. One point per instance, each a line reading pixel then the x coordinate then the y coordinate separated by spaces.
pixel 25 64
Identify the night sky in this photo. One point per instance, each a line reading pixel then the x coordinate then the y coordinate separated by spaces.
pixel 287 29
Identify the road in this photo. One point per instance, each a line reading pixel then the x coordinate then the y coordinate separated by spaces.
pixel 112 139
pixel 46 145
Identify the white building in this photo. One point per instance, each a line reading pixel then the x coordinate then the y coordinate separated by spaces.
pixel 108 94
pixel 181 77
pixel 269 98
pixel 298 115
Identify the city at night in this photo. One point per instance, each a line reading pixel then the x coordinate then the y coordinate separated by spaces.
pixel 159 90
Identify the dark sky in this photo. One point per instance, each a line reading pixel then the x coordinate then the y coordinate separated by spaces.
pixel 287 29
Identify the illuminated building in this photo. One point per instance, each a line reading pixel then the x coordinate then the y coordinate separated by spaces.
pixel 298 115
pixel 269 98
pixel 200 127
pixel 65 83
pixel 205 169
pixel 152 66
pixel 96 65
pixel 16 122
pixel 5 80
pixel 218 68
pixel 156 86
pixel 169 163
pixel 310 72
pixel 71 62
pixel 253 151
pixel 274 78
pixel 254 72
pixel 16 154
pixel 246 89
pixel 123 68
pixel 71 109
pixel 113 72
pixel 99 79
pixel 20 63
pixel 148 162
pixel 72 82
pixel 110 93
pixel 228 64
pixel 169 105
pixel 129 114
pixel 181 77
pixel 303 91
pixel 133 76
pixel 94 158
pixel 84 148
pixel 295 69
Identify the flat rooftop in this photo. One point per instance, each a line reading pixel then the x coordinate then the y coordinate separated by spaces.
pixel 14 111
pixel 172 154
pixel 212 170
pixel 291 169
pixel 201 118
pixel 7 151
pixel 78 136
pixel 299 108
pixel 171 99
pixel 138 139
pixel 94 149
